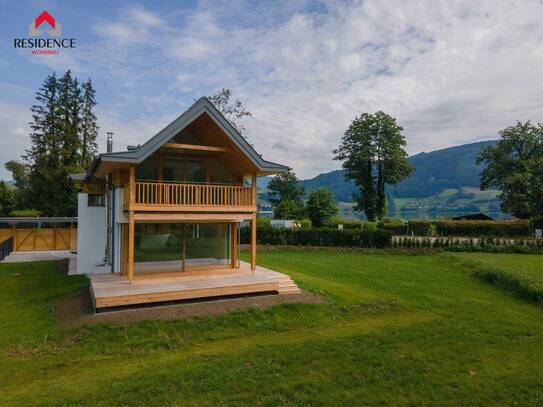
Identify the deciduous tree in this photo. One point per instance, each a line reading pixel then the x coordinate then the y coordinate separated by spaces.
pixel 372 152
pixel 515 167
pixel 320 206
pixel 285 194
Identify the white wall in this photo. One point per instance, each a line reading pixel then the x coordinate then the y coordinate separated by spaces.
pixel 91 239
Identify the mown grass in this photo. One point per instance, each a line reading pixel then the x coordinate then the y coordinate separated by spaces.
pixel 520 274
pixel 397 329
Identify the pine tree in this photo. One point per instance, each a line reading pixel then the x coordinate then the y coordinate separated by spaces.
pixel 44 127
pixel 63 141
pixel 89 128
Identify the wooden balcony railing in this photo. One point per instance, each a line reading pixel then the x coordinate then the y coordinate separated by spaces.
pixel 205 196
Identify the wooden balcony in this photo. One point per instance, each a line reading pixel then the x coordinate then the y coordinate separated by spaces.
pixel 162 196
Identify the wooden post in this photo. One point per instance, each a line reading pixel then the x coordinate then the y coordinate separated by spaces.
pixel 131 226
pixel 253 242
pixel 14 236
pixel 184 248
pixel 253 186
pixel 253 226
pixel 234 245
pixel 55 237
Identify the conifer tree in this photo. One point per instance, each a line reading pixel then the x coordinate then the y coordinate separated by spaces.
pixel 89 128
pixel 63 141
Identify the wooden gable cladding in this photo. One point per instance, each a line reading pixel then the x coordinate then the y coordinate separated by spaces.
pixel 210 134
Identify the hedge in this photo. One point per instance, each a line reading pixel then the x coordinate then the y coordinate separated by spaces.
pixel 482 228
pixel 347 223
pixel 420 227
pixel 464 244
pixel 394 228
pixel 320 237
pixel 413 227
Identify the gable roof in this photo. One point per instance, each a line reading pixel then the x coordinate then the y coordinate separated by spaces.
pixel 201 106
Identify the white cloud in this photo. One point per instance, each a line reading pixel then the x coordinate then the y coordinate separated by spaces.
pixel 450 71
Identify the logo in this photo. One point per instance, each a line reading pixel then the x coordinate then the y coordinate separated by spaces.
pixel 45 17
pixel 51 44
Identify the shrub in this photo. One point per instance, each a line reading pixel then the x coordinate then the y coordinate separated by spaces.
pixel 304 223
pixel 347 223
pixel 482 228
pixel 262 223
pixel 420 227
pixel 320 237
pixel 394 226
pixel 320 206
pixel 29 213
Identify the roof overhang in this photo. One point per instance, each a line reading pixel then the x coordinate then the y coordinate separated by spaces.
pixel 99 165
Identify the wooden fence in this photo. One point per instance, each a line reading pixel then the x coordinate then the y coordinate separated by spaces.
pixel 41 239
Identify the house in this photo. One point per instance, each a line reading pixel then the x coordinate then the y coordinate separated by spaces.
pixel 160 221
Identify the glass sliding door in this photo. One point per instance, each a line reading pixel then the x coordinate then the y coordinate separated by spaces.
pixel 208 244
pixel 158 247
pixel 177 247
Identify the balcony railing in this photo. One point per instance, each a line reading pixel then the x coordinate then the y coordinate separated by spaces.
pixel 205 196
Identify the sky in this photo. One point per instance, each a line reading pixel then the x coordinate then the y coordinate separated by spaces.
pixel 451 72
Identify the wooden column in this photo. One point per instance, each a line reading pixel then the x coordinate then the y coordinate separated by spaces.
pixel 253 242
pixel 184 248
pixel 131 226
pixel 234 245
pixel 253 226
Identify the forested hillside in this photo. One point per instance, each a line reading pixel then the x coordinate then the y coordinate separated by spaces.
pixel 450 168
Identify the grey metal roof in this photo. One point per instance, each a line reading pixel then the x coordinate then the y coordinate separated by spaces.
pixel 201 106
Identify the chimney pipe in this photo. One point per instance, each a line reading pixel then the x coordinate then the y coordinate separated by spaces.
pixel 109 142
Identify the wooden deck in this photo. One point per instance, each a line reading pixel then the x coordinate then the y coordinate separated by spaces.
pixel 113 290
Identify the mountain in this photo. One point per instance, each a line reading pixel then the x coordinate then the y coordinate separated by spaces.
pixel 436 171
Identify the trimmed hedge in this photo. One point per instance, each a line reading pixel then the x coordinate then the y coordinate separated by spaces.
pixel 395 228
pixel 347 223
pixel 420 227
pixel 482 228
pixel 465 244
pixel 320 237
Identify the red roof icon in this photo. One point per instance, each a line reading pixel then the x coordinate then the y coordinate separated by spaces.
pixel 44 16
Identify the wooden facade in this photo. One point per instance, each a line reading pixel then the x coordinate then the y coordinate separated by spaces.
pixel 196 171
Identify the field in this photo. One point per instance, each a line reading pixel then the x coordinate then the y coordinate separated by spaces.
pixel 397 328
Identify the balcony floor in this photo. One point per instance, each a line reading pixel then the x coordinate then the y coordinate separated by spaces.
pixel 114 290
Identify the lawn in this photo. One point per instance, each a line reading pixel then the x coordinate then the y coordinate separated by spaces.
pixel 402 329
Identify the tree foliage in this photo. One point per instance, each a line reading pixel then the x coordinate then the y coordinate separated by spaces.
pixel 320 206
pixel 233 110
pixel 373 155
pixel 7 198
pixel 285 194
pixel 288 209
pixel 62 141
pixel 515 167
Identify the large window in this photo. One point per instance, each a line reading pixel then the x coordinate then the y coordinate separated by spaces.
pixel 163 247
pixel 183 169
pixel 147 170
pixel 172 170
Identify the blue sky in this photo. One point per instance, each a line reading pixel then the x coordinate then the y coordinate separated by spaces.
pixel 451 72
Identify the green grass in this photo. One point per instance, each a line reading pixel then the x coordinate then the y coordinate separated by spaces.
pixel 520 274
pixel 397 329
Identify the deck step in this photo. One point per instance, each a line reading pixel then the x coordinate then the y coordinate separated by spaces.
pixel 295 290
